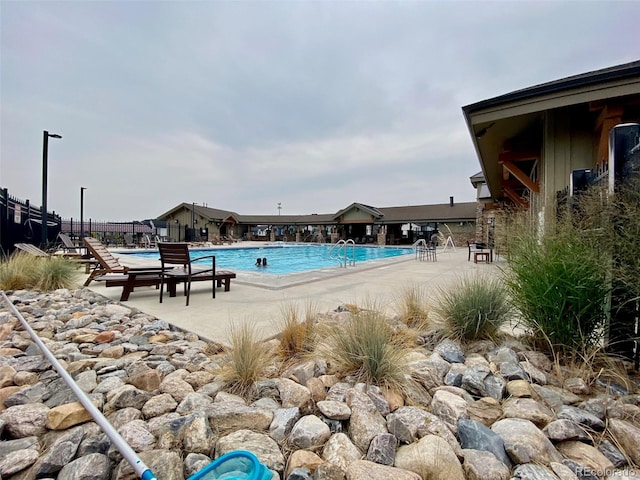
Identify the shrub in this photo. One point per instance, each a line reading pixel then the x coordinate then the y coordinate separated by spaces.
pixel 366 348
pixel 297 336
pixel 559 285
pixel 248 358
pixel 19 271
pixel 56 272
pixel 22 270
pixel 475 308
pixel 412 306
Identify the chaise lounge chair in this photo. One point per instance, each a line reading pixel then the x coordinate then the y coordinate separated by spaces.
pixel 107 263
pixel 70 248
pixel 37 252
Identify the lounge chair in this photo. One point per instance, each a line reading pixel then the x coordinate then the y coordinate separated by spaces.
pixel 107 263
pixel 69 247
pixel 37 252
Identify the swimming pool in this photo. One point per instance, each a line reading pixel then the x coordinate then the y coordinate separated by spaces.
pixel 283 259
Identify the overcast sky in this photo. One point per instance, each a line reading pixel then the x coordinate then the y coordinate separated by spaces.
pixel 241 105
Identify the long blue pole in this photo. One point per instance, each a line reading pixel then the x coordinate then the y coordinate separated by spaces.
pixel 123 447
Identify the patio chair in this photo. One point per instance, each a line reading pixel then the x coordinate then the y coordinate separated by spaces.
pixel 32 249
pixel 178 254
pixel 69 247
pixel 107 263
pixel 37 252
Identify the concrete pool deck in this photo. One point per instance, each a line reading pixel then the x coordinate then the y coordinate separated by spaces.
pixel 259 298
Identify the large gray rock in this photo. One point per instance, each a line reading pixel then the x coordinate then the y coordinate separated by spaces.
pixel 334 410
pixel 16 461
pixel 364 425
pixel 450 351
pixel 261 445
pixel 61 452
pixel 164 463
pixel 25 420
pixel 528 409
pixel 283 421
pixel 340 451
pixel 94 466
pixel 580 417
pixel 450 408
pixel 481 465
pixel 563 429
pixel 525 443
pixel 382 449
pixel 309 432
pixel 226 416
pixel 474 435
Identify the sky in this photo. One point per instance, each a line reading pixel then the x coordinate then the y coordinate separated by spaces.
pixel 250 105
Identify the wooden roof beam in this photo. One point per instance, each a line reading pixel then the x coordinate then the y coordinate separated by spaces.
pixel 514 197
pixel 522 177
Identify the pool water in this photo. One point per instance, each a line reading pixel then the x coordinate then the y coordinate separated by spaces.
pixel 283 259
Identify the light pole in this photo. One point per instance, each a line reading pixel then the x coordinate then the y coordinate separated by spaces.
pixel 45 152
pixel 279 207
pixel 82 189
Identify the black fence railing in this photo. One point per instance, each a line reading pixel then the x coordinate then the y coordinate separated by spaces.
pixel 21 222
pixel 127 234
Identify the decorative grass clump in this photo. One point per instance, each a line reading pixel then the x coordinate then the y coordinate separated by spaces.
pixel 559 285
pixel 22 270
pixel 19 271
pixel 297 335
pixel 248 359
pixel 56 272
pixel 475 308
pixel 366 348
pixel 413 307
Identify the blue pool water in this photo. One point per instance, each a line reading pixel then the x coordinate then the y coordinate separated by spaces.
pixel 284 258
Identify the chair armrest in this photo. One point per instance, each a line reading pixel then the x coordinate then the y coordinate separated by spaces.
pixel 202 258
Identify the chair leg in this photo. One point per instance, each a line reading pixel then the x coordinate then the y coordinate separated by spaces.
pixel 161 286
pixel 187 291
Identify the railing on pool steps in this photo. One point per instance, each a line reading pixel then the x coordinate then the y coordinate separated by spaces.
pixel 340 253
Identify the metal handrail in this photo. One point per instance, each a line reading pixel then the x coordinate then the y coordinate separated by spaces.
pixel 340 252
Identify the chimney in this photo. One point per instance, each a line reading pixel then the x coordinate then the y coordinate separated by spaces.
pixel 451 201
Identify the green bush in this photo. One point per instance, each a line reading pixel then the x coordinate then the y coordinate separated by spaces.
pixel 559 285
pixel 475 308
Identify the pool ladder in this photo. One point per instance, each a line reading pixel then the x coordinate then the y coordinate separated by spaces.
pixel 340 253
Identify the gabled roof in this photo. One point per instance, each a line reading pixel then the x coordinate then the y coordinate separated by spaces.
pixel 373 211
pixel 213 214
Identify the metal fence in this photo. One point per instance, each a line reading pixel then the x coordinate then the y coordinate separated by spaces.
pixel 21 222
pixel 128 234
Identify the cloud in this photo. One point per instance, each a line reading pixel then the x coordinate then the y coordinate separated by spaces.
pixel 242 105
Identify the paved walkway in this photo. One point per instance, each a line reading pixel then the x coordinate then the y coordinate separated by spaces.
pixel 258 299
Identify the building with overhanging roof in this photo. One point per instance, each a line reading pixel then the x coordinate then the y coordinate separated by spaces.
pixel 363 223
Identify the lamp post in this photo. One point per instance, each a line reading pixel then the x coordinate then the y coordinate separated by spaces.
pixel 45 152
pixel 82 189
pixel 279 207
